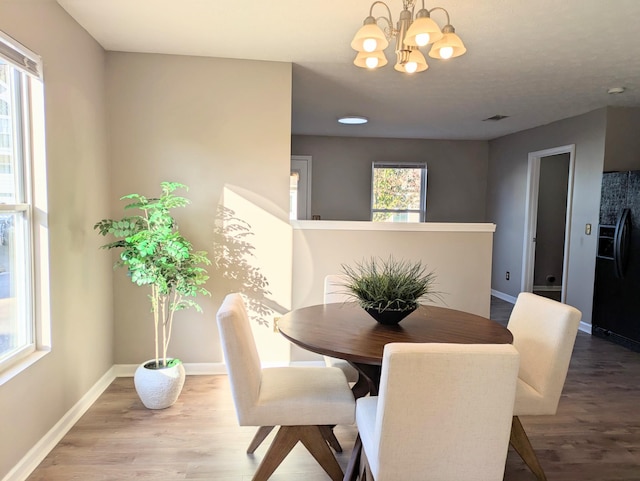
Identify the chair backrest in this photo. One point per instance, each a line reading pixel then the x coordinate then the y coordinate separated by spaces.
pixel 444 411
pixel 241 354
pixel 544 332
pixel 334 290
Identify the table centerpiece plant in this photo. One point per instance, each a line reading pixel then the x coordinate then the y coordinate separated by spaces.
pixel 389 289
pixel 156 254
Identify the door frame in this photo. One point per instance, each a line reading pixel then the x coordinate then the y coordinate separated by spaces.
pixel 531 216
pixel 303 163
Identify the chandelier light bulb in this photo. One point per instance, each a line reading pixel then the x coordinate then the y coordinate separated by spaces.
pixel 446 52
pixel 369 45
pixel 372 62
pixel 422 39
pixel 411 67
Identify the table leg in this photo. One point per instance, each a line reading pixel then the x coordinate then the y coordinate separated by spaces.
pixel 368 381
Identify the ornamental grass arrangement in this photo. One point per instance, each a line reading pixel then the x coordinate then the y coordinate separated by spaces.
pixel 389 284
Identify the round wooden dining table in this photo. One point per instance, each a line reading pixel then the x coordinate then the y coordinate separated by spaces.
pixel 346 331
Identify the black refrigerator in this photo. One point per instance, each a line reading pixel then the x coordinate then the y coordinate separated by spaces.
pixel 616 299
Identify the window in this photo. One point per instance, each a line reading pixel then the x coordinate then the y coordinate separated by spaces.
pixel 21 161
pixel 399 192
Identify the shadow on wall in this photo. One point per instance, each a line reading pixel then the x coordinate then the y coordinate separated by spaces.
pixel 231 253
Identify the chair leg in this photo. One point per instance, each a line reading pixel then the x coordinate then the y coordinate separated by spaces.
pixel 286 438
pixel 351 473
pixel 261 434
pixel 316 444
pixel 330 437
pixel 520 442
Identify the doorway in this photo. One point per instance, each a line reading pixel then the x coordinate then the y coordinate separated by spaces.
pixel 300 188
pixel 548 222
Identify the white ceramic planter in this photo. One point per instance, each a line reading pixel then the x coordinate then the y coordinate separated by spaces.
pixel 159 388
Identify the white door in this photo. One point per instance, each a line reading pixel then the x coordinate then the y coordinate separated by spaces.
pixel 300 188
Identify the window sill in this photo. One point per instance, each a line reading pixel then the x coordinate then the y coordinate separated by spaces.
pixel 20 365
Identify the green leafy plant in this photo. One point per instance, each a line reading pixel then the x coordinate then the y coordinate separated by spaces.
pixel 157 255
pixel 389 284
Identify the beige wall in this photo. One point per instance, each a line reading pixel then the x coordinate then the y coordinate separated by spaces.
pixel 78 181
pixel 210 124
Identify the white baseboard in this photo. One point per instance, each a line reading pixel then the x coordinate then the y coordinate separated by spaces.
pixel 503 296
pixel 584 327
pixel 41 449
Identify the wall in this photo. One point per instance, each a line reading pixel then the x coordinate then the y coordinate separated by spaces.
pixel 34 400
pixel 506 192
pixel 458 254
pixel 552 212
pixel 622 145
pixel 341 179
pixel 209 124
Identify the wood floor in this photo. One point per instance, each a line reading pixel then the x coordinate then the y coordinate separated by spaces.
pixel 594 437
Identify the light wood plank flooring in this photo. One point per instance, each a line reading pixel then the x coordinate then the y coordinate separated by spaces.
pixel 594 437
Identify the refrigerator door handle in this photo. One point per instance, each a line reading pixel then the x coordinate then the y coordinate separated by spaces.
pixel 621 240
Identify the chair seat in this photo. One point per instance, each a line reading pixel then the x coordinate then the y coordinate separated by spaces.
pixel 349 371
pixel 302 396
pixel 366 421
pixel 530 402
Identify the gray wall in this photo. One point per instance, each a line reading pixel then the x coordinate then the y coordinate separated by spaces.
pixel 622 146
pixel 552 211
pixel 341 176
pixel 506 192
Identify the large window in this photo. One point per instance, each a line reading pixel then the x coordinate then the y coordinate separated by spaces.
pixel 399 192
pixel 21 157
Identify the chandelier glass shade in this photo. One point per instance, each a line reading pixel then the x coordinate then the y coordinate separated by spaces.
pixel 410 33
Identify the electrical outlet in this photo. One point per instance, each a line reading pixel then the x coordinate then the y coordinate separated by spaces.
pixel 275 324
pixel 507 275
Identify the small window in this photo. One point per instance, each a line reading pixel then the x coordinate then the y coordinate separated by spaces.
pixel 399 192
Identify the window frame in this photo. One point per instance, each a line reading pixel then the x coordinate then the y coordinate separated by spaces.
pixel 30 266
pixel 422 211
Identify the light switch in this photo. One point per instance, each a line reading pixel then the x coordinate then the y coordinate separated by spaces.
pixel 587 229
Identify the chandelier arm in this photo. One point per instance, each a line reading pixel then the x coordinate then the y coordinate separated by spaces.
pixel 390 31
pixel 439 8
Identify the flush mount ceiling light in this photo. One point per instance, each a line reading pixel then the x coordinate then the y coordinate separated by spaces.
pixel 353 120
pixel 410 33
pixel 615 90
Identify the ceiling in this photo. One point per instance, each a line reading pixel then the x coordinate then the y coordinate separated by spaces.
pixel 533 61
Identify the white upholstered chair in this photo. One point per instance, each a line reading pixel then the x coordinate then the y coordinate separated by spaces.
pixel 443 413
pixel 303 401
pixel 334 292
pixel 544 332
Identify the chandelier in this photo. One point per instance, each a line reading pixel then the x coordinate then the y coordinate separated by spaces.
pixel 410 34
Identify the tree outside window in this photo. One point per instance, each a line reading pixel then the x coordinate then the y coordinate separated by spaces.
pixel 399 192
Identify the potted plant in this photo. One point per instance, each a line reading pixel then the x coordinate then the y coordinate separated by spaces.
pixel 389 289
pixel 155 254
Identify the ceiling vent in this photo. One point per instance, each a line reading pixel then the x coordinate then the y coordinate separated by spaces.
pixel 495 118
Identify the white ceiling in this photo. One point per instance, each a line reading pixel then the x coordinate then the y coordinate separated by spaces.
pixel 536 61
